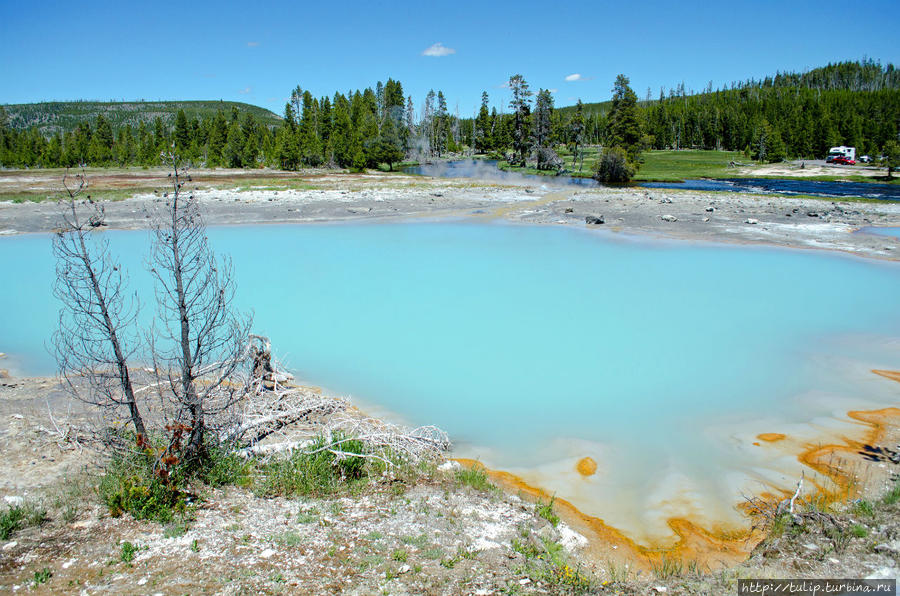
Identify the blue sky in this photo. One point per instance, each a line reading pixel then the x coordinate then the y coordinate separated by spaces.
pixel 258 52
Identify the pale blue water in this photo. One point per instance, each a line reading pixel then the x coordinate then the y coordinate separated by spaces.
pixel 534 346
pixel 885 231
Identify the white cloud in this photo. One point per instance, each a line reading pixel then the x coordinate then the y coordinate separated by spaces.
pixel 553 90
pixel 245 91
pixel 438 50
pixel 574 77
pixel 252 44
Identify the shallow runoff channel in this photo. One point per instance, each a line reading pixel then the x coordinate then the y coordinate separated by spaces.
pixel 538 346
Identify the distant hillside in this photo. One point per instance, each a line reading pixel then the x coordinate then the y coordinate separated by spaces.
pixel 61 117
pixel 599 108
pixel 865 75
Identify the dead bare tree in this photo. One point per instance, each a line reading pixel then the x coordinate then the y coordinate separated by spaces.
pixel 95 337
pixel 200 373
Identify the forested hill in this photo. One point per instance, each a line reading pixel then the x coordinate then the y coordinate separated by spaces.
pixel 867 75
pixel 60 117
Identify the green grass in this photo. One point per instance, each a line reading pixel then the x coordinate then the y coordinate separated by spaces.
pixel 22 516
pixel 667 568
pixel 675 166
pixel 893 496
pixel 317 471
pixel 545 510
pixel 678 166
pixel 474 477
pixel 863 507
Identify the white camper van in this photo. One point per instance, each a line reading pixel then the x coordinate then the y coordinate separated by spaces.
pixel 842 151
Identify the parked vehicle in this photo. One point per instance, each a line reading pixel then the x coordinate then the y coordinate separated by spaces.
pixel 842 151
pixel 841 160
pixel 866 159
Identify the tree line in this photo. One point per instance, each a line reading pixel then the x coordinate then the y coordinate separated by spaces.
pixel 789 115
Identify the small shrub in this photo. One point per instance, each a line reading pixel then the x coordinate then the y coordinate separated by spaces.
pixel 130 485
pixel 126 555
pixel 42 576
pixel 859 530
pixel 399 555
pixel 613 166
pixel 195 545
pixel 225 466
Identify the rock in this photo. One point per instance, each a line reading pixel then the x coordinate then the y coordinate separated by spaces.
pixel 405 569
pixel 437 194
pixel 10 545
pixel 568 210
pixel 14 500
pixel 705 219
pixel 812 214
pixel 710 209
pixel 660 589
pixel 811 546
pixel 529 190
pixel 668 218
pixel 4 374
pixel 449 466
pixel 751 221
pixel 524 581
pixel 266 553
pixel 665 200
pixel 594 220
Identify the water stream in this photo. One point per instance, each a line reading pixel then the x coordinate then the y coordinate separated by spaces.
pixel 488 170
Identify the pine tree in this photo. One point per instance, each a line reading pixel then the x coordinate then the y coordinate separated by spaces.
pixel 482 126
pixel 389 149
pixel 101 145
pixel 521 107
pixel 234 146
pixel 182 133
pixel 576 132
pixel 623 127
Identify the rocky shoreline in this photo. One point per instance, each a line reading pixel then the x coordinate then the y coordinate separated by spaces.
pixel 662 213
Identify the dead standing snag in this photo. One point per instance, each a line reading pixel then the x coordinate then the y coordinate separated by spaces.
pixel 199 373
pixel 93 342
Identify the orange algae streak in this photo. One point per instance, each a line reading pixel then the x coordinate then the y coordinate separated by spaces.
pixel 893 375
pixel 586 466
pixel 694 543
pixel 771 437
